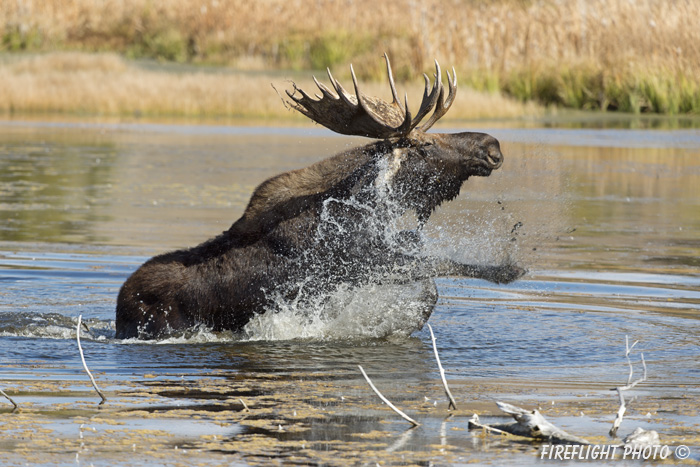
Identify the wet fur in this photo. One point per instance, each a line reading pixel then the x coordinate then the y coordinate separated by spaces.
pixel 225 281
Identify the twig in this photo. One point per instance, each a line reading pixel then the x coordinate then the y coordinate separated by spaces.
pixel 10 399
pixel 452 404
pixel 628 349
pixel 474 422
pixel 245 407
pixel 82 357
pixel 630 384
pixel 386 401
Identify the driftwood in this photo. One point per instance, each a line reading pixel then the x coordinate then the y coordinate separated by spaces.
pixel 529 424
pixel 451 405
pixel 532 424
pixel 641 437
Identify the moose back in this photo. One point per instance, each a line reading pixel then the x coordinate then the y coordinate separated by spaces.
pixel 328 224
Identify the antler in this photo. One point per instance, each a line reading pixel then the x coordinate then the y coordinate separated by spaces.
pixel 370 116
pixel 443 105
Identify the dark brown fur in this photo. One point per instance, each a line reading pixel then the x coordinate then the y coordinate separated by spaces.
pixel 324 225
pixel 225 281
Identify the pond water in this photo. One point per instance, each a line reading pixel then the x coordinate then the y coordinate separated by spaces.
pixel 607 222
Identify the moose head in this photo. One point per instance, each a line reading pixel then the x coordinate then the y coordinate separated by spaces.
pixel 427 168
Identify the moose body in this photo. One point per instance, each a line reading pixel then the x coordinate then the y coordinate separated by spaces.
pixel 325 224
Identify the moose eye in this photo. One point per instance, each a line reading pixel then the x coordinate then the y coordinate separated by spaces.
pixel 423 149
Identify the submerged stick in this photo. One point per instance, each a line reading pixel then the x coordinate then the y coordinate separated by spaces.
pixel 10 399
pixel 630 384
pixel 82 357
pixel 386 401
pixel 442 372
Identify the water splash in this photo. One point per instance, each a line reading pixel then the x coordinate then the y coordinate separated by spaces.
pixel 374 310
pixel 382 301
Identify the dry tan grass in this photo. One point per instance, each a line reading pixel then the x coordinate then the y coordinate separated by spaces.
pixel 109 85
pixel 576 52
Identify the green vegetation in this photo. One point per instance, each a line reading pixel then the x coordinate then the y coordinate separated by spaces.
pixel 16 39
pixel 166 45
pixel 589 88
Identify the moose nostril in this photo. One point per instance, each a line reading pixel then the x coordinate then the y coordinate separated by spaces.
pixel 495 157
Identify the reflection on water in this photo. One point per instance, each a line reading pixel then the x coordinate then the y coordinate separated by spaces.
pixel 49 190
pixel 607 224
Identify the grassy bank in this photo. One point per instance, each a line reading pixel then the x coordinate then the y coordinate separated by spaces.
pixel 109 85
pixel 641 56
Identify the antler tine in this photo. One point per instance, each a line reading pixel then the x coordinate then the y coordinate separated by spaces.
pixel 394 94
pixel 407 124
pixel 452 87
pixel 430 97
pixel 340 89
pixel 401 130
pixel 443 105
pixel 358 95
pixel 298 101
pixel 324 89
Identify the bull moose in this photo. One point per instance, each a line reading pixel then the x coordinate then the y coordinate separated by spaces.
pixel 327 223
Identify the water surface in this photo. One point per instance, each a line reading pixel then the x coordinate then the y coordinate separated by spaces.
pixel 606 221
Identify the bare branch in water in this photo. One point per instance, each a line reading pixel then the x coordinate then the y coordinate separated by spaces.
pixel 452 404
pixel 529 424
pixel 386 401
pixel 16 409
pixel 82 357
pixel 630 384
pixel 245 407
pixel 628 349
